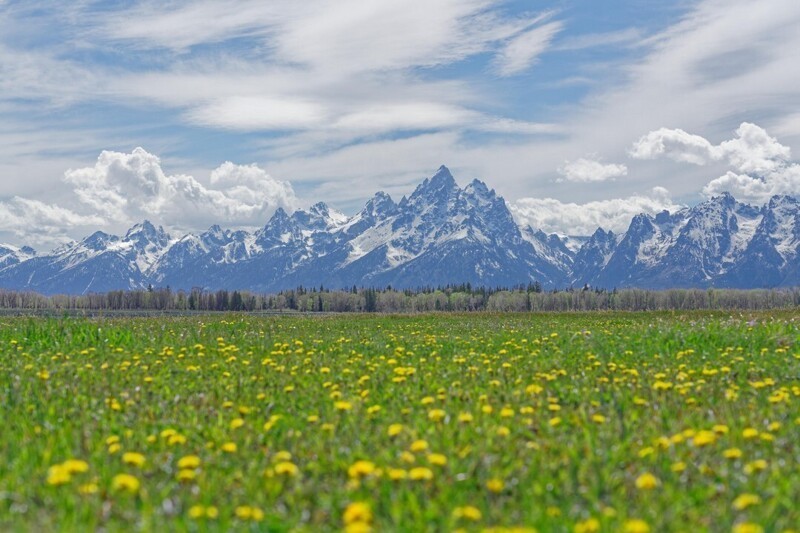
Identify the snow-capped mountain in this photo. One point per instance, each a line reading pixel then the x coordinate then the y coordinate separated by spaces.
pixel 440 234
pixel 718 243
pixel 11 255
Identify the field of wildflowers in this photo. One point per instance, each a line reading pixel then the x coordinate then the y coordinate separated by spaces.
pixel 524 422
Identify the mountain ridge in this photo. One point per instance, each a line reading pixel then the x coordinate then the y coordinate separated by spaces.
pixel 439 234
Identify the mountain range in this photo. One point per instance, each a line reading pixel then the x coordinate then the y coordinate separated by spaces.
pixel 441 234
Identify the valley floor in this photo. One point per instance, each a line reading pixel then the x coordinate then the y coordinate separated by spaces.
pixel 551 422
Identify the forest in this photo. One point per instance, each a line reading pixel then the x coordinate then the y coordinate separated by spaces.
pixel 452 298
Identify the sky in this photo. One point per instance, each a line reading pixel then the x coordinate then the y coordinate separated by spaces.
pixel 579 113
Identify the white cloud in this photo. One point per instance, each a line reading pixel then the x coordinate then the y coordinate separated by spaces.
pixel 40 224
pixel 249 113
pixel 129 187
pixel 757 189
pixel 523 50
pixel 761 165
pixel 346 36
pixel 589 170
pixel 751 150
pixel 568 218
pixel 675 144
pixel 754 151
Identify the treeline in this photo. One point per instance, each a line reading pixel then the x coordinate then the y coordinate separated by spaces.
pixel 460 298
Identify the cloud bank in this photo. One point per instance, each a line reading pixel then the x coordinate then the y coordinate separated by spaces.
pixel 125 188
pixel 761 167
pixel 133 186
pixel 569 218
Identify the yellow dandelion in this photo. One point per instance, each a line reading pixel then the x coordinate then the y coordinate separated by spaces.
pixel 467 512
pixel 185 475
pixel 420 473
pixel 396 474
pixel 646 481
pixel 357 513
pixel 747 527
pixel 436 415
pixel 495 485
pixel 744 501
pixel 176 439
pixel 750 433
pixel 125 483
pixel 229 447
pixel 282 456
pixel 133 459
pixel 756 466
pixel 437 459
pixel 75 466
pixel 732 453
pixel 419 446
pixel 189 461
pixel 361 469
pixel 678 466
pixel 88 488
pixel 286 468
pixel 704 438
pixel 394 430
pixel 636 525
pixel 58 475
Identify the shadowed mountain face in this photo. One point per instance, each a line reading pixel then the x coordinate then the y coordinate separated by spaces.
pixel 440 234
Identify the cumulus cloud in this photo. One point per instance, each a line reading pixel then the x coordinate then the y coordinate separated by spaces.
pixel 567 218
pixel 130 187
pixel 39 223
pixel 761 166
pixel 588 170
pixel 675 144
pixel 753 150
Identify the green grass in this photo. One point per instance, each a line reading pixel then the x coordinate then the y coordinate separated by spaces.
pixel 567 412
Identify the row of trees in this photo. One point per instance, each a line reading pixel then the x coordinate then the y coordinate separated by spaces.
pixel 460 298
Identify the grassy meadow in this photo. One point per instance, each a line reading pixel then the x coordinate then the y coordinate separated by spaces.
pixel 477 422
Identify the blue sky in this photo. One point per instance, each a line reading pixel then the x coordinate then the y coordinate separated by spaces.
pixel 580 113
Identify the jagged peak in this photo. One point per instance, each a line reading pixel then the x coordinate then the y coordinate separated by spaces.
pixel 600 233
pixel 379 204
pixel 318 217
pixel 98 240
pixel 280 214
pixel 215 233
pixel 145 230
pixel 10 248
pixel 724 199
pixel 319 208
pixel 440 185
pixel 443 173
pixel 98 236
pixel 478 187
pixel 780 199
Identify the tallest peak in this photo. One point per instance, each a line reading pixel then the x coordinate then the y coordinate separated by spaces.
pixel 443 172
pixel 443 177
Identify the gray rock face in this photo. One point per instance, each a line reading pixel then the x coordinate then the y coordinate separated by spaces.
pixel 441 234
